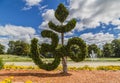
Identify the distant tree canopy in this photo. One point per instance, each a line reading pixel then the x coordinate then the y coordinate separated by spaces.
pixel 18 48
pixel 116 47
pixel 2 49
pixel 107 50
pixel 94 47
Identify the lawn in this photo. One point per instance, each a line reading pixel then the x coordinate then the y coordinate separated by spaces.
pixel 104 59
pixel 14 58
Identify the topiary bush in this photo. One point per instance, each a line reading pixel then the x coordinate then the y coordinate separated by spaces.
pixel 75 48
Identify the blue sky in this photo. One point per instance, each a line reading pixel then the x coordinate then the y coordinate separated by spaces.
pixel 98 21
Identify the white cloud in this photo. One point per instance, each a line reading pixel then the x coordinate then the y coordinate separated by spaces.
pixel 91 12
pixel 99 38
pixel 69 33
pixel 12 32
pixel 48 15
pixel 116 22
pixel 43 7
pixel 30 3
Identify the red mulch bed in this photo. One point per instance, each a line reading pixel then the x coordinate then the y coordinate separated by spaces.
pixel 81 76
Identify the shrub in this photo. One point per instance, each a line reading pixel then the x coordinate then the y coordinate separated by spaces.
pixel 1 63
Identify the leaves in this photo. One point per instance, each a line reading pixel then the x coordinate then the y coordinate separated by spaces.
pixel 80 55
pixel 61 13
pixel 63 28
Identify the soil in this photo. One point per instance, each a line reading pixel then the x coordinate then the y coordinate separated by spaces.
pixel 81 76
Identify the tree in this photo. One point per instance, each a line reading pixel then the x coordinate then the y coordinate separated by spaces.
pixel 64 51
pixel 2 48
pixel 11 47
pixel 18 48
pixel 116 47
pixel 107 50
pixel 93 47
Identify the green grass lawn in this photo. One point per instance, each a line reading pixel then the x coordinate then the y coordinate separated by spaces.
pixel 97 60
pixel 14 58
pixel 104 59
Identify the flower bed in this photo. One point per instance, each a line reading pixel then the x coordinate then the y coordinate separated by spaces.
pixel 32 74
pixel 74 76
pixel 86 67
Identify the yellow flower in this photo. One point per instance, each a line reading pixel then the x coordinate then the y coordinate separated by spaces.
pixel 3 82
pixel 11 77
pixel 28 81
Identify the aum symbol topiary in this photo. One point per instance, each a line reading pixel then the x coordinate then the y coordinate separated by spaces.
pixel 75 48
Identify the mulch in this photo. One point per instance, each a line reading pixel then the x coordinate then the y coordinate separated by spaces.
pixel 81 76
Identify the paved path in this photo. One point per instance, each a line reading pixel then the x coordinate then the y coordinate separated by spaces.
pixel 92 63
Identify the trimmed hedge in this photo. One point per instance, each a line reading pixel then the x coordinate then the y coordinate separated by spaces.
pixel 82 51
pixel 63 28
pixel 61 14
pixel 35 54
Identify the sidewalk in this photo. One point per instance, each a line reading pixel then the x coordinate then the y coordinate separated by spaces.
pixel 71 64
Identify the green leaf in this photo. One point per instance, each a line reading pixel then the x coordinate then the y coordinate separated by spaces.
pixel 61 13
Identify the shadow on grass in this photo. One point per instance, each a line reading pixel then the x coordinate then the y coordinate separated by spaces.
pixel 43 75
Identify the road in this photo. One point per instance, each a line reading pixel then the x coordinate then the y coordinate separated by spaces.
pixel 71 64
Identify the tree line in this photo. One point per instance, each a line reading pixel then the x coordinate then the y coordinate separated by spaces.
pixel 108 50
pixel 22 48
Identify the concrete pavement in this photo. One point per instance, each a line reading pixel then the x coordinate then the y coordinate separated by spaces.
pixel 71 64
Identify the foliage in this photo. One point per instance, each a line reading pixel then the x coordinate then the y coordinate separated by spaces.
pixel 46 47
pixel 1 63
pixel 62 51
pixel 107 50
pixel 76 54
pixel 63 28
pixel 116 47
pixel 38 61
pixel 61 13
pixel 95 48
pixel 18 48
pixel 2 49
pixel 11 47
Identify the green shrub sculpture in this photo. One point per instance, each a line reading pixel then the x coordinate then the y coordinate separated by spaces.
pixel 75 48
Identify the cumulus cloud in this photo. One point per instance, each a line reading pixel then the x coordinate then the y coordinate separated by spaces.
pixel 98 39
pixel 30 3
pixel 12 32
pixel 92 12
pixel 48 15
pixel 89 13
